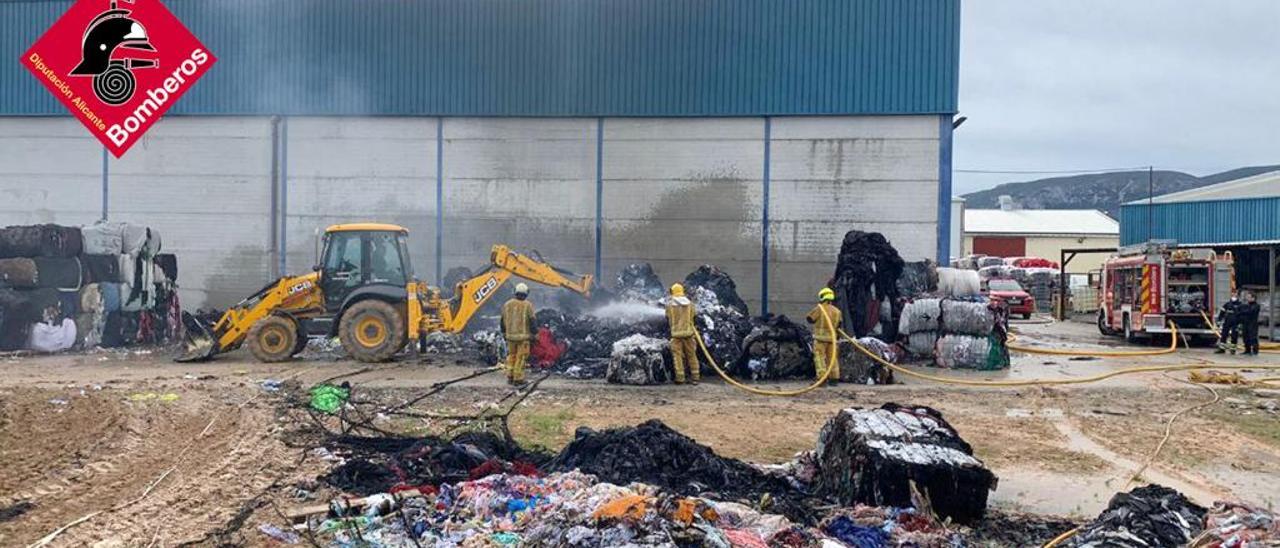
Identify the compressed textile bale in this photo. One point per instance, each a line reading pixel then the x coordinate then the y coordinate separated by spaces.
pixel 133 239
pixel 963 352
pixel 968 318
pixel 168 263
pixel 954 282
pixel 102 268
pixel 922 344
pixel 990 261
pixel 18 273
pixel 110 292
pixel 91 299
pixel 58 273
pixel 638 360
pixel 120 329
pixel 103 238
pixel 920 315
pixel 871 456
pixel 918 278
pixel 775 348
pixel 40 241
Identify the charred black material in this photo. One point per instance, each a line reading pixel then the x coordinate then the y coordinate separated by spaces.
pixel 715 280
pixel 374 465
pixel 1151 515
pixel 867 273
pixel 589 339
pixel 105 268
pixel 653 453
pixel 16 316
pixel 918 278
pixel 638 282
pixel 775 348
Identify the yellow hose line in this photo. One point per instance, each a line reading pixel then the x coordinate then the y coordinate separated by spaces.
pixel 1042 382
pixel 1267 347
pixel 1060 538
pixel 781 393
pixel 1173 347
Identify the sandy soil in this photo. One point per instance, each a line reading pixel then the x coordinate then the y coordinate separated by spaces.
pixel 168 454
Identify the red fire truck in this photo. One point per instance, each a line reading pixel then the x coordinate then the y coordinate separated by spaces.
pixel 1146 287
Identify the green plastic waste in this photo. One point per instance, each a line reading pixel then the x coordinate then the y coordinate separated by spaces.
pixel 505 539
pixel 327 398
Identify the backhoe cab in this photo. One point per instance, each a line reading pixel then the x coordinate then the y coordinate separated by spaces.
pixel 364 292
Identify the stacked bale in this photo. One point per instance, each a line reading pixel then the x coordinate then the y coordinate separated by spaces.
pixel 1041 283
pixel 100 284
pixel 956 333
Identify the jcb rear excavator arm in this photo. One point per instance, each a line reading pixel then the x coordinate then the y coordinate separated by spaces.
pixel 505 263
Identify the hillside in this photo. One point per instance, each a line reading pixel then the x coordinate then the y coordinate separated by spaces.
pixel 1103 191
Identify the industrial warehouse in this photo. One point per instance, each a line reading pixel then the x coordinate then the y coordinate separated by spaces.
pixel 648 273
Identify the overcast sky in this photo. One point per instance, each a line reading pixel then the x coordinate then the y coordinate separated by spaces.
pixel 1191 85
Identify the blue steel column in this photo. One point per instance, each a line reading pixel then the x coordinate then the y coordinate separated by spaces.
pixel 599 193
pixel 105 183
pixel 284 196
pixel 944 189
pixel 764 229
pixel 439 201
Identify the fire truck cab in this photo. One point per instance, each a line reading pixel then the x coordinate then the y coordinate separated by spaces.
pixel 1146 287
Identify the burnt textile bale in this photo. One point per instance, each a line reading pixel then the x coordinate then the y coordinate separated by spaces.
pixel 719 283
pixel 58 273
pixel 775 348
pixel 1151 515
pixel 16 316
pixel 638 282
pixel 168 264
pixel 918 278
pixel 18 273
pixel 867 272
pixel 639 360
pixel 40 241
pixel 872 457
pixel 856 366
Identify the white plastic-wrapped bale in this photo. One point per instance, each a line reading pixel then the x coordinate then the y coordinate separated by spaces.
pixel 873 456
pixel 857 367
pixel 990 261
pixel 920 315
pixel 922 343
pixel 963 352
pixel 968 318
pixel 954 282
pixel 638 360
pixel 993 272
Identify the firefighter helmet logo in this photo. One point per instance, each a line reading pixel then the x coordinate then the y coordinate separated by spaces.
pixel 113 81
pixel 118 65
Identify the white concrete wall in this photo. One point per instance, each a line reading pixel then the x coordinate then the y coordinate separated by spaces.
pixel 50 172
pixel 346 170
pixel 525 182
pixel 835 174
pixel 677 192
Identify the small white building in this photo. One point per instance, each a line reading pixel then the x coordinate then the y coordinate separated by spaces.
pixel 1010 232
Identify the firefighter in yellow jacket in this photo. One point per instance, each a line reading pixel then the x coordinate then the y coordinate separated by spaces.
pixel 684 349
pixel 824 335
pixel 517 328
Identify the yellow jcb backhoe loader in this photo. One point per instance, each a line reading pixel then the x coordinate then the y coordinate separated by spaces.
pixel 363 291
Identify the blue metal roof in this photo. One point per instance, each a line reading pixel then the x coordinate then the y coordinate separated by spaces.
pixel 546 57
pixel 1242 220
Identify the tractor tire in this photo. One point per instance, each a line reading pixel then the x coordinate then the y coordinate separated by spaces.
pixel 273 338
pixel 372 331
pixel 301 344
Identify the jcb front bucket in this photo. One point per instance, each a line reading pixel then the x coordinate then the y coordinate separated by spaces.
pixel 199 344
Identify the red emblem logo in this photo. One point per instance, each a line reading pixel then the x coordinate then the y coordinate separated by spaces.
pixel 118 68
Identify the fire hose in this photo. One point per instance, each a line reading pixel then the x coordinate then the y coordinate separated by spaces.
pixel 1270 347
pixel 831 363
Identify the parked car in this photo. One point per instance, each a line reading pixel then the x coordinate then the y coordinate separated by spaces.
pixel 1016 298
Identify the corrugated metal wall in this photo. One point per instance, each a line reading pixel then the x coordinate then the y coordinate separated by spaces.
pixel 546 57
pixel 1217 221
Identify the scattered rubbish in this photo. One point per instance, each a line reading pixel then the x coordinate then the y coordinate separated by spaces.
pixel 1267 393
pixel 1082 358
pixel 875 456
pixel 870 526
pixel 440 342
pixel 278 534
pixel 58 401
pixel 857 367
pixel 152 396
pixel 639 360
pixel 1151 515
pixel 15 510
pixel 1239 525
pixel 327 398
pixel 272 385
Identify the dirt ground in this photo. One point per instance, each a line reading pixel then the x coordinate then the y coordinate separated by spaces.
pixel 164 454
